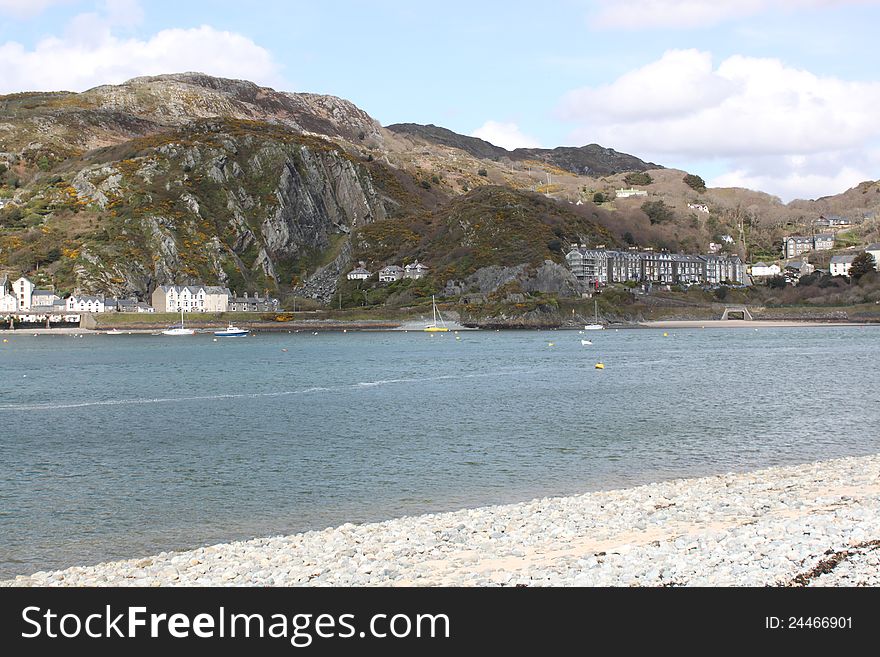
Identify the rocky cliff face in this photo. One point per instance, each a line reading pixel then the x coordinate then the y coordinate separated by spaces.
pixel 243 204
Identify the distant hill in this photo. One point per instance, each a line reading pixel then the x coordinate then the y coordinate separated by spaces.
pixel 590 160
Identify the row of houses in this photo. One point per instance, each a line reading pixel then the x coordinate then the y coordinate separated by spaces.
pixel 601 266
pixel 390 273
pixel 209 299
pixel 23 296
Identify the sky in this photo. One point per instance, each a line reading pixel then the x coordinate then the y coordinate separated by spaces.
pixel 776 95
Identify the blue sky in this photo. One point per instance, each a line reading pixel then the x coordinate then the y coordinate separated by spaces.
pixel 777 95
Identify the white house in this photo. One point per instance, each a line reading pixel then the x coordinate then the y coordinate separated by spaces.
pixel 43 298
pixel 762 269
pixel 191 299
pixel 841 264
pixel 359 273
pixel 390 274
pixel 874 250
pixel 23 290
pixel 699 207
pixel 85 304
pixel 416 270
pixel 8 302
pixel 626 193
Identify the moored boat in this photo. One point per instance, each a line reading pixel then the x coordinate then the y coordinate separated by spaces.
pixel 232 332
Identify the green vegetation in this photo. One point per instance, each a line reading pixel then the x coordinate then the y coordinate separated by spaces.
pixel 861 265
pixel 695 182
pixel 658 212
pixel 598 198
pixel 638 178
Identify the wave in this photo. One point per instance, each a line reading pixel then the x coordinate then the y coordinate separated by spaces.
pixel 252 395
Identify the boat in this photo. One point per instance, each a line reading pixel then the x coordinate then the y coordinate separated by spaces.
pixel 232 332
pixel 113 332
pixel 595 326
pixel 178 330
pixel 432 327
pixel 584 343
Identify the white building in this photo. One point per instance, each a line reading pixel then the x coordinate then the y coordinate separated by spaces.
pixel 762 269
pixel 23 290
pixel 44 298
pixel 191 299
pixel 841 264
pixel 85 304
pixel 874 250
pixel 699 207
pixel 359 273
pixel 626 193
pixel 390 274
pixel 416 270
pixel 8 302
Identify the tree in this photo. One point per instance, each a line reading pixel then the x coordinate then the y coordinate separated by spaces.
pixel 483 172
pixel 658 212
pixel 861 265
pixel 638 178
pixel 777 283
pixel 695 182
pixel 598 197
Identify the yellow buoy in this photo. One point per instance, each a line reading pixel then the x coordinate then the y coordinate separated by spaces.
pixel 665 335
pixel 600 366
pixel 549 344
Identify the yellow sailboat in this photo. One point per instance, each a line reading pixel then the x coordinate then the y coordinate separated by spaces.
pixel 432 327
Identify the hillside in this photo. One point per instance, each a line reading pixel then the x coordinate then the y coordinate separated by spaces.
pixel 186 178
pixel 591 160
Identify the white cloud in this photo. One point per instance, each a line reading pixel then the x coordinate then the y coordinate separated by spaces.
pixel 793 184
pixel 90 54
pixel 27 8
pixel 683 14
pixel 744 110
pixel 506 135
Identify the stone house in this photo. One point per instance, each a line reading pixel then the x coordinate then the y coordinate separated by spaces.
pixel 390 274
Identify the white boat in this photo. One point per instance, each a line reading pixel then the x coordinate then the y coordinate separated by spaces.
pixel 113 332
pixel 232 332
pixel 595 326
pixel 178 330
pixel 584 343
pixel 432 327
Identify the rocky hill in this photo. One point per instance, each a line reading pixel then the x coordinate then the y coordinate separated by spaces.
pixel 591 160
pixel 188 178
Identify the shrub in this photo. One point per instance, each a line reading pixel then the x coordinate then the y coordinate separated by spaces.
pixel 598 197
pixel 695 182
pixel 638 178
pixel 483 172
pixel 658 212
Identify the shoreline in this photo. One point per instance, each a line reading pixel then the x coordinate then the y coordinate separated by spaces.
pixel 769 527
pixel 417 326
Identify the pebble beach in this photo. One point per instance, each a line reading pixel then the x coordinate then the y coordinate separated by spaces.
pixel 816 524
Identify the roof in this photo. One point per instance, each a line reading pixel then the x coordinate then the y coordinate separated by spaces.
pixel 842 259
pixel 760 264
pixel 391 269
pixel 873 247
pixel 42 292
pixel 359 270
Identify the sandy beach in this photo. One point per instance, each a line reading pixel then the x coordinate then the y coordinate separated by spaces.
pixel 807 525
